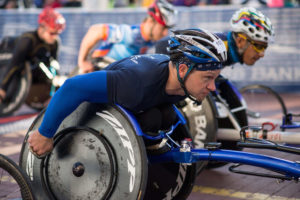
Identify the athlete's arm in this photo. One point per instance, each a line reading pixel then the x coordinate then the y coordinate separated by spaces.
pixel 55 50
pixel 90 87
pixel 2 95
pixel 95 33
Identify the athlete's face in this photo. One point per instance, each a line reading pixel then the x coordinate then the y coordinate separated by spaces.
pixel 49 35
pixel 254 50
pixel 158 31
pixel 200 83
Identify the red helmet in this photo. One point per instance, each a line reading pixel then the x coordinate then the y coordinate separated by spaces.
pixel 51 18
pixel 163 12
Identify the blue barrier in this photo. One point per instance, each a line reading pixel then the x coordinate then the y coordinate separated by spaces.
pixel 279 69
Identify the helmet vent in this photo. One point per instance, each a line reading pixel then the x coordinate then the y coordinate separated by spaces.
pixel 251 30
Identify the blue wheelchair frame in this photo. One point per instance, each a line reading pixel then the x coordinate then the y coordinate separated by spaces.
pixel 288 123
pixel 179 153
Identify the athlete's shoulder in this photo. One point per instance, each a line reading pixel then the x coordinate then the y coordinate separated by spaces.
pixel 161 45
pixel 117 32
pixel 222 35
pixel 139 61
pixel 30 35
pixel 149 59
pixel 119 27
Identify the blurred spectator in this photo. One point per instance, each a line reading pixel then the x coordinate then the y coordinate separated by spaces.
pixel 262 2
pixel 146 3
pixel 124 3
pixel 8 4
pixel 52 3
pixel 96 4
pixel 47 3
pixel 216 2
pixel 73 3
pixel 184 2
pixel 57 3
pixel 275 3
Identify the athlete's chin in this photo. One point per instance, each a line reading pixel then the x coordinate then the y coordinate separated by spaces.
pixel 201 97
pixel 251 62
pixel 50 41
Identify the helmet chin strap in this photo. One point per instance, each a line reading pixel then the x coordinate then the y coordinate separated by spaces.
pixel 181 81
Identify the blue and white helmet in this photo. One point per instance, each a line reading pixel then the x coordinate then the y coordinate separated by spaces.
pixel 198 48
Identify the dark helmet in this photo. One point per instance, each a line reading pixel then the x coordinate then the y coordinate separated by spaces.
pixel 197 47
pixel 163 12
pixel 52 19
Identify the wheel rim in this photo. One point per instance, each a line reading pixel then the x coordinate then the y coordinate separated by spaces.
pixel 81 166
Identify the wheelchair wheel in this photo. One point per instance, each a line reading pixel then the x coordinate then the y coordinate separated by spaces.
pixel 38 95
pixel 171 180
pixel 202 124
pixel 96 155
pixel 263 104
pixel 17 92
pixel 13 181
pixel 232 99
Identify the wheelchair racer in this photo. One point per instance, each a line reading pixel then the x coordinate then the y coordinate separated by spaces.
pixel 251 34
pixel 121 41
pixel 196 58
pixel 246 43
pixel 36 46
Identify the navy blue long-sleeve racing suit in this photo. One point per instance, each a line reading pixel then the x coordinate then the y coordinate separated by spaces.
pixel 136 83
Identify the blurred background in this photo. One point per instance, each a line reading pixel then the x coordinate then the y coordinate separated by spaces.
pixel 279 69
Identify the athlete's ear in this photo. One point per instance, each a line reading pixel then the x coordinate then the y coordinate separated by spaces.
pixel 240 42
pixel 183 68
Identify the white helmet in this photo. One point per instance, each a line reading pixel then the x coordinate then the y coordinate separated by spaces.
pixel 253 23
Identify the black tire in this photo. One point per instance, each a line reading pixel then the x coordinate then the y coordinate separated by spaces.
pixel 17 92
pixel 202 124
pixel 113 156
pixel 171 180
pixel 231 96
pixel 12 170
pixel 263 104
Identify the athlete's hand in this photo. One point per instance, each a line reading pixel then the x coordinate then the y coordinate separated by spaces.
pixel 40 145
pixel 2 95
pixel 85 67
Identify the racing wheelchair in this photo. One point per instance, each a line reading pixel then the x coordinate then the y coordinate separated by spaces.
pixel 228 109
pixel 34 85
pixel 99 153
